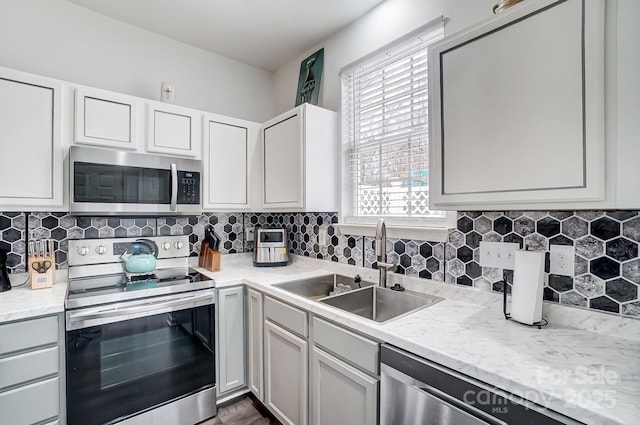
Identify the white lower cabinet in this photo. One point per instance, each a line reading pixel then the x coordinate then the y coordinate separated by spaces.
pixel 286 374
pixel 315 371
pixel 32 370
pixel 255 339
pixel 339 393
pixel 230 340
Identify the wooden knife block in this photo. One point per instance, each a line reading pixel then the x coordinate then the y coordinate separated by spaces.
pixel 209 259
pixel 42 280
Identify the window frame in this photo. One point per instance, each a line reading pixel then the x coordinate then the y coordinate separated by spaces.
pixel 423 227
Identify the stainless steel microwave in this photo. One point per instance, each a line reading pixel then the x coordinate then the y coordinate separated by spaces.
pixel 109 182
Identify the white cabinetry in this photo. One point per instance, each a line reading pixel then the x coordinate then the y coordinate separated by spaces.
pixel 340 394
pixel 230 340
pixel 286 362
pixel 32 130
pixel 173 130
pixel 32 368
pixel 255 340
pixel 299 160
pixel 343 377
pixel 229 163
pixel 517 110
pixel 108 119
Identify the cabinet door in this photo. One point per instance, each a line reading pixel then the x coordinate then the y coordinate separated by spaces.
pixel 283 161
pixel 286 375
pixel 255 324
pixel 229 147
pixel 340 394
pixel 230 338
pixel 525 123
pixel 31 136
pixel 106 119
pixel 173 130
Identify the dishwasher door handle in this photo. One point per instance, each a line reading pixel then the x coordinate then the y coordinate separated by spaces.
pixel 451 402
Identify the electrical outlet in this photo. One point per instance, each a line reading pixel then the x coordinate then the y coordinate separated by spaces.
pixel 498 254
pixel 322 237
pixel 561 260
pixel 249 233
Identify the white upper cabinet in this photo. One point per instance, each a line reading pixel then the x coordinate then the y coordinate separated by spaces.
pixel 229 163
pixel 517 110
pixel 173 130
pixel 299 160
pixel 33 110
pixel 108 119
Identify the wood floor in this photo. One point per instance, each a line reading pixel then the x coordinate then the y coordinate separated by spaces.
pixel 242 412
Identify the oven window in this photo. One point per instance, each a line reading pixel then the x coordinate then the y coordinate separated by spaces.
pixel 100 183
pixel 120 369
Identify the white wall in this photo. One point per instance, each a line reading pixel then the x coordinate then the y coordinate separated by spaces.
pixel 58 39
pixel 384 24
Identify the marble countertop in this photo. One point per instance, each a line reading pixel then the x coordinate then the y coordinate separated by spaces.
pixel 22 302
pixel 590 374
pixel 585 365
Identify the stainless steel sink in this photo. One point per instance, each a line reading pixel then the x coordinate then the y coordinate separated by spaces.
pixel 319 287
pixel 380 304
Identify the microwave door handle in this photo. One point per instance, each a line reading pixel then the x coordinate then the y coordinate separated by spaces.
pixel 174 187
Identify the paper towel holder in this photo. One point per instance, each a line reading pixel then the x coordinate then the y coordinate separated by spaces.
pixel 507 316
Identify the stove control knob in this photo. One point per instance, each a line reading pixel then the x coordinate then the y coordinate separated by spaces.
pixel 101 249
pixel 83 250
pixel 179 245
pixel 166 246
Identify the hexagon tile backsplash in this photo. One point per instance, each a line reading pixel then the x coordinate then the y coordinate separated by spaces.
pixel 607 265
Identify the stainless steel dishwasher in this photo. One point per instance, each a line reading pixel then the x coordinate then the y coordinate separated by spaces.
pixel 416 391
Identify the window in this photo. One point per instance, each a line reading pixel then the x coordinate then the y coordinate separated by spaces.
pixel 385 133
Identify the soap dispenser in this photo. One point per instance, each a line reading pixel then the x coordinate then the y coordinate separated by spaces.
pixel 5 283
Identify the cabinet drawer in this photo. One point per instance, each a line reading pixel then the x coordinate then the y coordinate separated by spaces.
pixel 357 350
pixel 20 336
pixel 31 404
pixel 290 317
pixel 28 367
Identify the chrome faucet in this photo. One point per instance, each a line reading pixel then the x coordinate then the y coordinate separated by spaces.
pixel 381 253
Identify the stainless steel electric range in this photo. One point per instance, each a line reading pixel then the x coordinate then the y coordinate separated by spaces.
pixel 140 346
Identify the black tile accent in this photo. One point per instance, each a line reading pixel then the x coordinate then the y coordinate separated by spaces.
pixel 503 225
pixel 605 268
pixel 561 283
pixel 474 239
pixel 550 295
pixel 605 304
pixel 464 280
pixel 622 215
pixel 621 290
pixel 622 249
pixel 465 254
pixel 605 228
pixel 560 240
pixel 548 227
pixel 465 224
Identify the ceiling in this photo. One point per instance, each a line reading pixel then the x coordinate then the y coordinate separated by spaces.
pixel 264 33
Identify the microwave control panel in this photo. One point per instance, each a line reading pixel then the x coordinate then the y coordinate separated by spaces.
pixel 188 187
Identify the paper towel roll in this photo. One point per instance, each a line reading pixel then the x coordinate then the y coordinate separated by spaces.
pixel 528 282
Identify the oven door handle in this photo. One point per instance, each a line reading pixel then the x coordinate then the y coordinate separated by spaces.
pixel 174 187
pixel 94 317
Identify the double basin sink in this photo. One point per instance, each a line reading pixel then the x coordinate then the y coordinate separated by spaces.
pixel 365 299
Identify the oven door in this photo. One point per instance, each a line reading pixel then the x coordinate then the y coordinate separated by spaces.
pixel 127 358
pixel 113 183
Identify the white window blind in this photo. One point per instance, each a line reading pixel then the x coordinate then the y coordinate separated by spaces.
pixel 385 129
